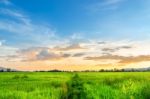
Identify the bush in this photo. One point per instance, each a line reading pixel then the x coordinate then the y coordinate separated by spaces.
pixel 16 77
pixel 146 91
pixel 24 76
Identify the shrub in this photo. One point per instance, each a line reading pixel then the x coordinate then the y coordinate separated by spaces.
pixel 146 91
pixel 24 76
pixel 16 77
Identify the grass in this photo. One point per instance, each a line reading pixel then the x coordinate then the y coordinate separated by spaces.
pixel 82 85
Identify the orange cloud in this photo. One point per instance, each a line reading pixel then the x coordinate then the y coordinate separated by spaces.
pixel 136 59
pixel 122 59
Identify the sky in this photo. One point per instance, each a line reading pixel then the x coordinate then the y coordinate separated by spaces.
pixel 74 34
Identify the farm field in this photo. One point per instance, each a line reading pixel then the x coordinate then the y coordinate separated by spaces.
pixel 79 85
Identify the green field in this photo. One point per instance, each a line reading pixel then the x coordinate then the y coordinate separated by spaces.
pixel 82 85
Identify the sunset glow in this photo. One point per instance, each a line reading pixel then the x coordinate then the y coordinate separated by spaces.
pixel 74 34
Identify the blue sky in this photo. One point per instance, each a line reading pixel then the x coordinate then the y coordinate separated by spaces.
pixel 70 24
pixel 101 19
pixel 96 18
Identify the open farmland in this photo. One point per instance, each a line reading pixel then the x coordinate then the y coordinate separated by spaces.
pixel 80 85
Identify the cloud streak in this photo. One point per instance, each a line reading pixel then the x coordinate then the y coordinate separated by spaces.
pixel 18 15
pixel 121 59
pixel 111 2
pixel 42 53
pixel 6 2
pixel 69 47
pixel 79 54
pixel 22 25
pixel 108 49
pixel 105 5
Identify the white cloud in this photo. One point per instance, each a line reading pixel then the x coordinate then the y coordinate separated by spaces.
pixel 8 50
pixel 122 48
pixel 0 43
pixel 76 36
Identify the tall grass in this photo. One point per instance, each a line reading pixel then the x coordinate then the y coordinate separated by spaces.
pixel 91 85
